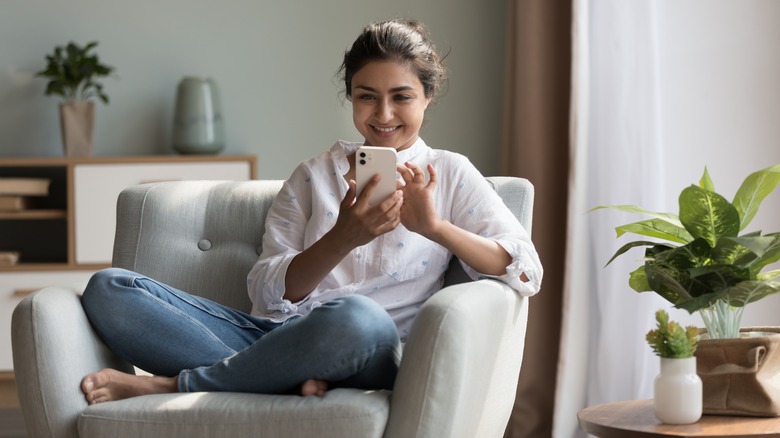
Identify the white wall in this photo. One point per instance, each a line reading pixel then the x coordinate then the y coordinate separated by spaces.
pixel 274 62
pixel 720 103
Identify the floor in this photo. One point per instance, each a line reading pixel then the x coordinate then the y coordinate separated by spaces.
pixel 11 421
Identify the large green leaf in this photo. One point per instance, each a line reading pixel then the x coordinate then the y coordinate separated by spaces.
pixel 768 275
pixel 707 215
pixel 657 228
pixel 748 291
pixel 702 301
pixel 667 284
pixel 751 251
pixel 770 255
pixel 717 277
pixel 667 217
pixel 706 182
pixel 753 191
pixel 637 279
pixel 628 246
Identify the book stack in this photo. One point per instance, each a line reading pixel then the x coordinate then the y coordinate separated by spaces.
pixel 8 258
pixel 16 193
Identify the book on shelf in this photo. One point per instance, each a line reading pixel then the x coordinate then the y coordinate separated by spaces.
pixel 8 258
pixel 14 202
pixel 24 186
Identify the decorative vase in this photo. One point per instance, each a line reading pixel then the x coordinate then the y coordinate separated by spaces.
pixel 77 123
pixel 198 126
pixel 678 392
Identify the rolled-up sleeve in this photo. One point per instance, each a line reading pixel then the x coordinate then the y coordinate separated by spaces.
pixel 283 239
pixel 478 208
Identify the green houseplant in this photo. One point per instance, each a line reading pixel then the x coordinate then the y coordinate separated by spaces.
pixel 700 262
pixel 670 340
pixel 677 390
pixel 73 73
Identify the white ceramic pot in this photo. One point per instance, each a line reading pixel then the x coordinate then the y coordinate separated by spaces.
pixel 678 392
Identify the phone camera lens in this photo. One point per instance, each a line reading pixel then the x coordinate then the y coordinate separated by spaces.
pixel 363 155
pixel 362 161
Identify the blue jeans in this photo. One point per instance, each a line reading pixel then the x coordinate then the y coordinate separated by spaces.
pixel 348 342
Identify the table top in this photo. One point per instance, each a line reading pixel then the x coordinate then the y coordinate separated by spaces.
pixel 636 419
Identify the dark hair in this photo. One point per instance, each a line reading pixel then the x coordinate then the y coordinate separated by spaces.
pixel 397 40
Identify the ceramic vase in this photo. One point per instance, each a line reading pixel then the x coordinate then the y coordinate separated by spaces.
pixel 77 123
pixel 198 126
pixel 678 392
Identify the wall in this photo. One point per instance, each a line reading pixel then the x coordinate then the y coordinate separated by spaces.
pixel 720 103
pixel 275 64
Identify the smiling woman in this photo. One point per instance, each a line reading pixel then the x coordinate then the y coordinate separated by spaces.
pixel 339 282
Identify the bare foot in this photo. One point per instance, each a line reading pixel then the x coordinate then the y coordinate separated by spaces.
pixel 109 384
pixel 314 387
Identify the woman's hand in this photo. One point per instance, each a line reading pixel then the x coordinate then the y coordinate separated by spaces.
pixel 358 222
pixel 418 213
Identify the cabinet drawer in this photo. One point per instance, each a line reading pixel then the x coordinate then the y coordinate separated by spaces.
pixel 12 287
pixel 96 187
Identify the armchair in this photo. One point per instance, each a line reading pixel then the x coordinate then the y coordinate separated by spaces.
pixel 457 378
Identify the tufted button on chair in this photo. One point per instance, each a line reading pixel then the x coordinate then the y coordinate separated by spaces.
pixel 457 377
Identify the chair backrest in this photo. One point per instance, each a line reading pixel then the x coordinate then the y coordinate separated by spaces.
pixel 205 236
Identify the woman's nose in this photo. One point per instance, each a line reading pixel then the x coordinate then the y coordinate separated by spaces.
pixel 384 111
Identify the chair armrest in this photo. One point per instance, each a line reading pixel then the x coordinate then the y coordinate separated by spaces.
pixel 54 347
pixel 460 367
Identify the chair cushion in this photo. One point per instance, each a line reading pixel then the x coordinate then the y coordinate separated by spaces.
pixel 340 413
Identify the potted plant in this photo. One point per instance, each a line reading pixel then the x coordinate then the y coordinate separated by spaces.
pixel 702 264
pixel 73 72
pixel 677 388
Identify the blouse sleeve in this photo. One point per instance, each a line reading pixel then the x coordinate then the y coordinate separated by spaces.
pixel 285 226
pixel 477 207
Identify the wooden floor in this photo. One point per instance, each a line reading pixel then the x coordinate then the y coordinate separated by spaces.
pixel 11 421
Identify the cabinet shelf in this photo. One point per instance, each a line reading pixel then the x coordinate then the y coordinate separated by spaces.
pixel 68 234
pixel 47 267
pixel 41 214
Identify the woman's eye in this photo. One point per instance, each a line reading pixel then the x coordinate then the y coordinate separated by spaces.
pixel 403 97
pixel 366 97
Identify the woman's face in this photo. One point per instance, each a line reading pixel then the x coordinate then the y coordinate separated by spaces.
pixel 388 104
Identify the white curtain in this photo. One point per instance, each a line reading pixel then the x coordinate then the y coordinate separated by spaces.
pixel 616 158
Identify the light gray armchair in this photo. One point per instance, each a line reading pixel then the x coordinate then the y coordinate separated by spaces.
pixel 458 373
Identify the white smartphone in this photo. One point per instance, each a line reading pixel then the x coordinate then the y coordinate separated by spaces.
pixel 370 160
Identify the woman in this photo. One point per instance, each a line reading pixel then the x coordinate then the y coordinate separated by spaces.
pixel 339 282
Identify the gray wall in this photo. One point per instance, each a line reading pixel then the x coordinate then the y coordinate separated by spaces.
pixel 275 64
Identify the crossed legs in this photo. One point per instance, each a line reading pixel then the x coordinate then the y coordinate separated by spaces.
pixel 192 344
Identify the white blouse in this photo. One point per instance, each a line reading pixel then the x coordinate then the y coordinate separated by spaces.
pixel 400 269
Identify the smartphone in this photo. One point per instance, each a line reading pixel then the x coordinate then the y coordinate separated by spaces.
pixel 370 160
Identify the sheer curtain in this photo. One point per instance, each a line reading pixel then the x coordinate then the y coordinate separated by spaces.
pixel 616 158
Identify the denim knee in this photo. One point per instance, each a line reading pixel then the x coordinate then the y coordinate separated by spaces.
pixel 365 320
pixel 99 290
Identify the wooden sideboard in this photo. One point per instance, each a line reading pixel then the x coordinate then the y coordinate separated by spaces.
pixel 67 235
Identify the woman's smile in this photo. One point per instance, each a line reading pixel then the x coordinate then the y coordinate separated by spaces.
pixel 388 104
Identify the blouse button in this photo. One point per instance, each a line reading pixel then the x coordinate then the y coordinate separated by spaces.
pixel 204 245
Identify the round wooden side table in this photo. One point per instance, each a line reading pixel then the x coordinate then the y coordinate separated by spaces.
pixel 635 419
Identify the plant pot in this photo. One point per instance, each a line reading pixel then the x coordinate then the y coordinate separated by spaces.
pixel 739 375
pixel 678 392
pixel 77 122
